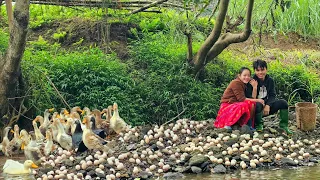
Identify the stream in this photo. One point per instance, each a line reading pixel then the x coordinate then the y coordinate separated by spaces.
pixel 295 173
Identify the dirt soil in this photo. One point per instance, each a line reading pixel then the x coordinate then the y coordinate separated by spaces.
pixel 93 34
pixel 82 32
pixel 284 42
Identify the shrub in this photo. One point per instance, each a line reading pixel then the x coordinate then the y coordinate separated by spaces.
pixel 89 78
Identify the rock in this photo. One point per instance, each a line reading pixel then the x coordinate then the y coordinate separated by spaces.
pixel 84 172
pixel 92 173
pixel 245 159
pixel 46 168
pixel 246 130
pixel 236 132
pixel 183 169
pixel 292 115
pixel 224 130
pixel 204 165
pixel 197 160
pixel 67 162
pixel 314 160
pixel 100 175
pixel 268 160
pixel 196 169
pixel 311 164
pixel 145 175
pixel 186 158
pixel 273 131
pixel 172 158
pixel 154 147
pixel 288 161
pixel 173 175
pixel 182 147
pixel 219 169
pixel 214 149
pixel 131 147
pixel 237 158
pixel 231 141
pixel 213 134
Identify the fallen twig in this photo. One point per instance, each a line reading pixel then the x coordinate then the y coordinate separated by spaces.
pixel 175 117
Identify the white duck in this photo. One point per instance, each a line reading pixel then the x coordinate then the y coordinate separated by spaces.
pixel 14 167
pixel 14 145
pixel 39 135
pixel 49 147
pixel 32 150
pixel 5 141
pixel 53 127
pixel 116 122
pixel 63 139
pixel 24 135
pixel 46 122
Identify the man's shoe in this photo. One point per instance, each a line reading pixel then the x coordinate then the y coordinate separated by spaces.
pixel 284 118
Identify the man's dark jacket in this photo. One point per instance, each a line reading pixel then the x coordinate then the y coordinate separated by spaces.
pixel 266 90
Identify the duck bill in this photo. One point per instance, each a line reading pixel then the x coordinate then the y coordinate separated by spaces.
pixel 33 165
pixel 84 121
pixel 65 112
pixel 51 110
pixel 22 146
pixel 11 131
pixel 82 112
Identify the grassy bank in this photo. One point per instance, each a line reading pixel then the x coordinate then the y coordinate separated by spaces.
pixel 152 84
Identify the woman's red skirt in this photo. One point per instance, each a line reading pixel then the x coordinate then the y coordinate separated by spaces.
pixel 229 114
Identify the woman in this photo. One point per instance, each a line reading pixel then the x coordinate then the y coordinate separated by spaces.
pixel 235 107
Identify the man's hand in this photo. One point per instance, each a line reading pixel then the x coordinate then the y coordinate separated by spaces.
pixel 266 110
pixel 253 83
pixel 260 101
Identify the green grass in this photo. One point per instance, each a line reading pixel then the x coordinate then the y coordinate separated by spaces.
pixel 299 16
pixel 153 85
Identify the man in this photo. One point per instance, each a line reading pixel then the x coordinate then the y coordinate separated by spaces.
pixel 266 90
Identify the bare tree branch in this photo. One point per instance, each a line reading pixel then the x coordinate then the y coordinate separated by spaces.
pixel 55 88
pixel 229 38
pixel 9 13
pixel 214 10
pixel 199 59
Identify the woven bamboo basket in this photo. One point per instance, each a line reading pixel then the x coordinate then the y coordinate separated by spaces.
pixel 306 115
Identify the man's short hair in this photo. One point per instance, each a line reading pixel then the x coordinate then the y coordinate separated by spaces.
pixel 259 64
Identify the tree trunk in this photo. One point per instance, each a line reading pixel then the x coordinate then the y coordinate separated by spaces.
pixel 229 38
pixel 215 44
pixel 10 63
pixel 201 55
pixel 189 38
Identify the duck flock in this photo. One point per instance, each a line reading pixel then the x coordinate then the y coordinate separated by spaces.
pixel 85 144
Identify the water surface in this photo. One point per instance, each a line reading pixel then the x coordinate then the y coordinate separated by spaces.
pixel 296 173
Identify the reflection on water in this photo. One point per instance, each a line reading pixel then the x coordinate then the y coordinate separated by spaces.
pixel 18 177
pixel 277 174
pixel 307 173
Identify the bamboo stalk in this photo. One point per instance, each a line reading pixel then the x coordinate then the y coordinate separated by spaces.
pixel 100 3
pixel 148 6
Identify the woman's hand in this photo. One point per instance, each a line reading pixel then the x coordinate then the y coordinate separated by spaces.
pixel 253 83
pixel 260 101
